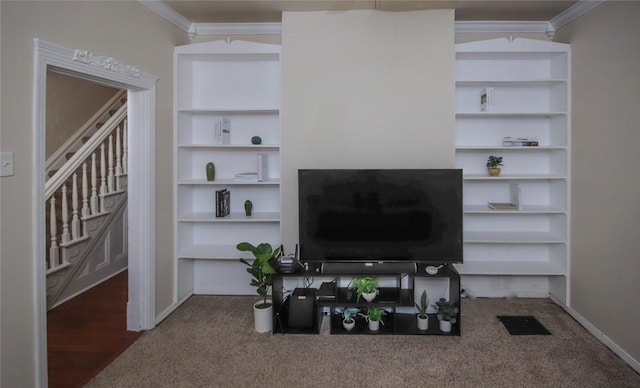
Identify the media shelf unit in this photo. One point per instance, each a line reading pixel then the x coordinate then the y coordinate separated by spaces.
pixel 240 81
pixel 397 300
pixel 523 252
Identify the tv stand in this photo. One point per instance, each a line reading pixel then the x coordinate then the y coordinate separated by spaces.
pixel 397 296
pixel 365 268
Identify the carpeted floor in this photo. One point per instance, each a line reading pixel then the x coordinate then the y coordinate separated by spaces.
pixel 209 342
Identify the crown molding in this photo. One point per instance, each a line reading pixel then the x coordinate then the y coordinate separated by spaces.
pixel 546 27
pixel 501 26
pixel 575 11
pixel 238 28
pixel 169 14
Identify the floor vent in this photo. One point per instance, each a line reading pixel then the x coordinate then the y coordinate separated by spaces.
pixel 523 325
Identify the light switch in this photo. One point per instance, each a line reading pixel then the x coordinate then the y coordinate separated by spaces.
pixel 6 163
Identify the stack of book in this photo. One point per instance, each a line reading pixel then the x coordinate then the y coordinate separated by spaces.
pixel 515 195
pixel 223 202
pixel 246 177
pixel 509 141
pixel 262 174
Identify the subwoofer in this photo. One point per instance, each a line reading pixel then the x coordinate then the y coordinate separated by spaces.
pixel 302 306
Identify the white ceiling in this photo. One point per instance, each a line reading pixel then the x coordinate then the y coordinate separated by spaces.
pixel 263 11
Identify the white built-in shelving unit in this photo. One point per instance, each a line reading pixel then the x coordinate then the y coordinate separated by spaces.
pixel 240 81
pixel 523 252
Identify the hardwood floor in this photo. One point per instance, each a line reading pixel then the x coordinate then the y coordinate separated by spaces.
pixel 88 332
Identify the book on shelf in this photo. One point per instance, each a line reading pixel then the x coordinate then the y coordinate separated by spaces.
pixel 246 177
pixel 502 206
pixel 509 141
pixel 263 167
pixel 223 202
pixel 515 195
pixel 222 131
pixel 486 99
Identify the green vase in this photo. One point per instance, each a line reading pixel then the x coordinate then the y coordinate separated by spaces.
pixel 211 171
pixel 248 207
pixel 256 140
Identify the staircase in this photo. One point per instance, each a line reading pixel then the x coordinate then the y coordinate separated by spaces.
pixel 86 196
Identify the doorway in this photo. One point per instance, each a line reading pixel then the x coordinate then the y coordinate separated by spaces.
pixel 141 235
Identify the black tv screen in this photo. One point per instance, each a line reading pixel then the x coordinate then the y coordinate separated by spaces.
pixel 412 215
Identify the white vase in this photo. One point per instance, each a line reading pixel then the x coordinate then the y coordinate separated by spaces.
pixel 423 323
pixel 263 317
pixel 348 326
pixel 445 326
pixel 369 296
pixel 374 325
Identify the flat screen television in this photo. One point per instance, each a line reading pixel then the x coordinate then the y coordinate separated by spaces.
pixel 380 215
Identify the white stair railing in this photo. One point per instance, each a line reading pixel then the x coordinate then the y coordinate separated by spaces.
pixel 75 141
pixel 74 228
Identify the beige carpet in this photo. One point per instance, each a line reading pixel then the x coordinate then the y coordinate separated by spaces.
pixel 209 342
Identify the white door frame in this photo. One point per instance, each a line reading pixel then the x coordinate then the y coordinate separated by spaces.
pixel 141 176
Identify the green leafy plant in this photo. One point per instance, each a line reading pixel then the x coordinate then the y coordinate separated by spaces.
pixel 447 311
pixel 260 268
pixel 376 314
pixel 494 161
pixel 422 307
pixel 349 314
pixel 364 285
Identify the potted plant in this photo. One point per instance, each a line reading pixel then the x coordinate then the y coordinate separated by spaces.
pixel 374 317
pixel 422 317
pixel 262 273
pixel 365 286
pixel 493 164
pixel 349 317
pixel 447 313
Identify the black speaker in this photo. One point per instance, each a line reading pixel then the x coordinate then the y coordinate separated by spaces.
pixel 301 308
pixel 356 268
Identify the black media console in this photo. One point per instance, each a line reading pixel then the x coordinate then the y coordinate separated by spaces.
pixel 302 310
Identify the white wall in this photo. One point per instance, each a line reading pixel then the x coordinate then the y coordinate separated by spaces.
pixel 605 264
pixel 136 36
pixel 364 89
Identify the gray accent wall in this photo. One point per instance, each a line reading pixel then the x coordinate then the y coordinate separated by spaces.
pixel 364 89
pixel 605 262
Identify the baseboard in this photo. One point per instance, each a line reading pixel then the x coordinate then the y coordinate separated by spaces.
pixel 626 357
pixel 171 309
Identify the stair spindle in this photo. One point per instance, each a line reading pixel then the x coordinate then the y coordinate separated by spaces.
pixel 103 178
pixel 53 231
pixel 75 220
pixel 125 153
pixel 94 185
pixel 110 157
pixel 118 158
pixel 85 199
pixel 65 216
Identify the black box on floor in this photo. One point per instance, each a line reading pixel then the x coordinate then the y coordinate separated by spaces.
pixel 301 307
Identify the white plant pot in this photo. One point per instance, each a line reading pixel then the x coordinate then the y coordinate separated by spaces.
pixel 423 323
pixel 369 296
pixel 445 326
pixel 374 325
pixel 348 326
pixel 262 318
